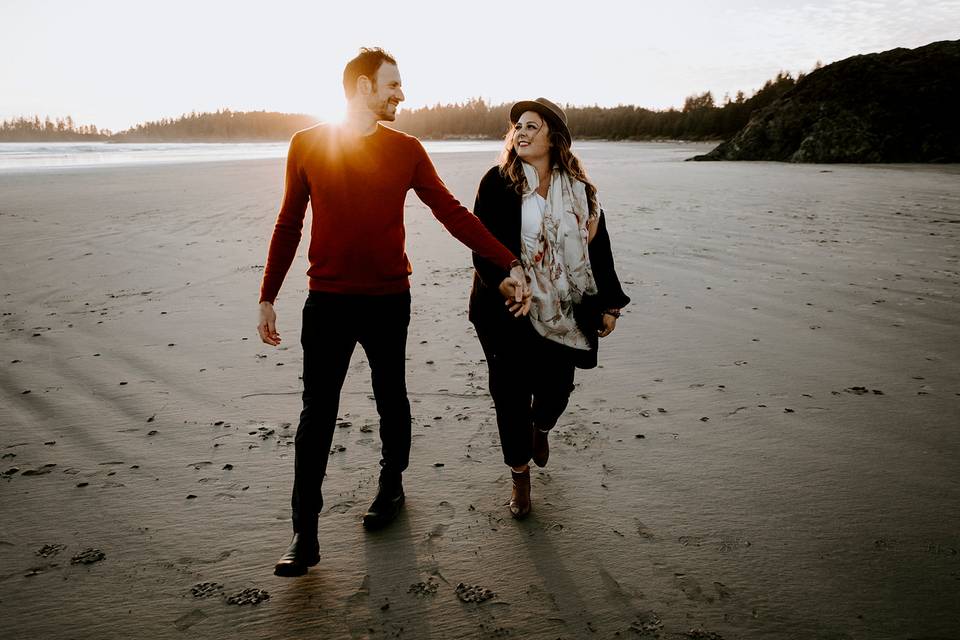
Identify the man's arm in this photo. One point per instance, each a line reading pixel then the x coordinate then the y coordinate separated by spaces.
pixel 283 243
pixel 463 225
pixel 467 228
pixel 490 274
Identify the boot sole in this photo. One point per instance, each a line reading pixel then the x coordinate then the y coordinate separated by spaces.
pixel 294 569
pixel 373 524
pixel 519 515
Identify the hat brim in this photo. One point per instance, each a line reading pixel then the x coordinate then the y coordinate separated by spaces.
pixel 555 122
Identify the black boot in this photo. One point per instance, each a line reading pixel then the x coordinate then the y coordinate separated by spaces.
pixel 386 506
pixel 304 552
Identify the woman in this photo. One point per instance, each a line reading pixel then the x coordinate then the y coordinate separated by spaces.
pixel 541 205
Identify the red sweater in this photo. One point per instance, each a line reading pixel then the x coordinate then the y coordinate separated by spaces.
pixel 357 187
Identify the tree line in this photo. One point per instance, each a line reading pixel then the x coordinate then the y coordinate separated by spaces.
pixel 59 130
pixel 701 118
pixel 222 126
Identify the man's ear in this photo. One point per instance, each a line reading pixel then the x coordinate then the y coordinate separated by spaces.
pixel 364 86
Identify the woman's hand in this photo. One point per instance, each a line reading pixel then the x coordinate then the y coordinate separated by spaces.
pixel 609 323
pixel 593 223
pixel 518 295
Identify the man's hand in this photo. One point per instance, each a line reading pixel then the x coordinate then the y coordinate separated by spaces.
pixel 267 328
pixel 518 295
pixel 609 323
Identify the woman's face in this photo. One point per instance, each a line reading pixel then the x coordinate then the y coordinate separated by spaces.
pixel 531 137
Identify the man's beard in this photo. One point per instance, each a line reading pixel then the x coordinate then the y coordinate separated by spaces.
pixel 383 112
pixel 386 113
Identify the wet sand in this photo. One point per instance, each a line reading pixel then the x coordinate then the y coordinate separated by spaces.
pixel 769 450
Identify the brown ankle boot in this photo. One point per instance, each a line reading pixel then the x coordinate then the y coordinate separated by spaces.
pixel 541 447
pixel 520 498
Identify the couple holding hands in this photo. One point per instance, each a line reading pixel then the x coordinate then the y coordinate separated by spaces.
pixel 544 287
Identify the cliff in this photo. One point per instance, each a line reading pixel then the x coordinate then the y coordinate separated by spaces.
pixel 901 105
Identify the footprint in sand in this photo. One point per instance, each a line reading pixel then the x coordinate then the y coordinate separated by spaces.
pixel 691 588
pixel 445 510
pixel 644 531
pixel 362 593
pixel 437 531
pixel 187 620
pixel 341 507
pixel 646 625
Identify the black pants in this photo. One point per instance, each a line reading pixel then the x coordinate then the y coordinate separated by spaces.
pixel 531 379
pixel 333 324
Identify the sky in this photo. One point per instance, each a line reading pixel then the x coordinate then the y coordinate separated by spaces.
pixel 114 63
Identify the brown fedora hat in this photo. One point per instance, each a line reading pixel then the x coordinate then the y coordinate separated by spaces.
pixel 553 114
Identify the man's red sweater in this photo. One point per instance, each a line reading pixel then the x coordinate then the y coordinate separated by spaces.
pixel 357 187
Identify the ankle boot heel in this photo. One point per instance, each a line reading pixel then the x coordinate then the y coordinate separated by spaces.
pixel 520 497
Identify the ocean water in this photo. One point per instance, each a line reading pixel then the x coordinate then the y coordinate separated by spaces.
pixel 42 156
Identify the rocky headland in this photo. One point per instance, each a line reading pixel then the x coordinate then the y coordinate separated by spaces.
pixel 896 106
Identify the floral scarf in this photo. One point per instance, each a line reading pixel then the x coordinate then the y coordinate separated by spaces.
pixel 559 272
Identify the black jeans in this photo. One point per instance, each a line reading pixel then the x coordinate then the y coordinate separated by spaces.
pixel 333 324
pixel 531 379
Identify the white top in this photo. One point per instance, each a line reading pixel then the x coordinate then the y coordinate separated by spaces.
pixel 531 213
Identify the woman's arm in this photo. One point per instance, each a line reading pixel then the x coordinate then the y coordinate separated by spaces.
pixel 484 208
pixel 610 291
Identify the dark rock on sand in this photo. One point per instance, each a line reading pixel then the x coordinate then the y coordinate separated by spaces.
pixel 861 391
pixel 88 556
pixel 427 588
pixel 48 550
pixel 206 589
pixel 473 593
pixel 248 596
pixel 39 471
pixel 894 106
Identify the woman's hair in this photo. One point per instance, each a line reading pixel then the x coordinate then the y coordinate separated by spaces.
pixel 560 155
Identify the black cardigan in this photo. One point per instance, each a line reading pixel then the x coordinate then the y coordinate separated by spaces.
pixel 498 206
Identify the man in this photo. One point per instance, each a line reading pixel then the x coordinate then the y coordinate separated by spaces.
pixel 356 177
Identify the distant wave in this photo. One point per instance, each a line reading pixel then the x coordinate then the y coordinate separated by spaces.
pixel 45 155
pixel 26 156
pixel 41 156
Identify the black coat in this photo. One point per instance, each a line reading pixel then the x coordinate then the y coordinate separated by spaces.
pixel 498 206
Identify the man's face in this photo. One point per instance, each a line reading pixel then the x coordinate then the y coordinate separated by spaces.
pixel 383 102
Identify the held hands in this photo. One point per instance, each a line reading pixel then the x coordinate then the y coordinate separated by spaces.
pixel 516 291
pixel 267 327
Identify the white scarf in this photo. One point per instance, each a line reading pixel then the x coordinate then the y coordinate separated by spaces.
pixel 560 273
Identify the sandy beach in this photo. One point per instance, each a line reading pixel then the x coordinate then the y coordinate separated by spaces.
pixel 770 448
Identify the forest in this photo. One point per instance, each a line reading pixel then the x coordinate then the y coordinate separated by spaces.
pixel 700 118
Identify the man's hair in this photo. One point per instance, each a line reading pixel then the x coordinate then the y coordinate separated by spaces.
pixel 365 64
